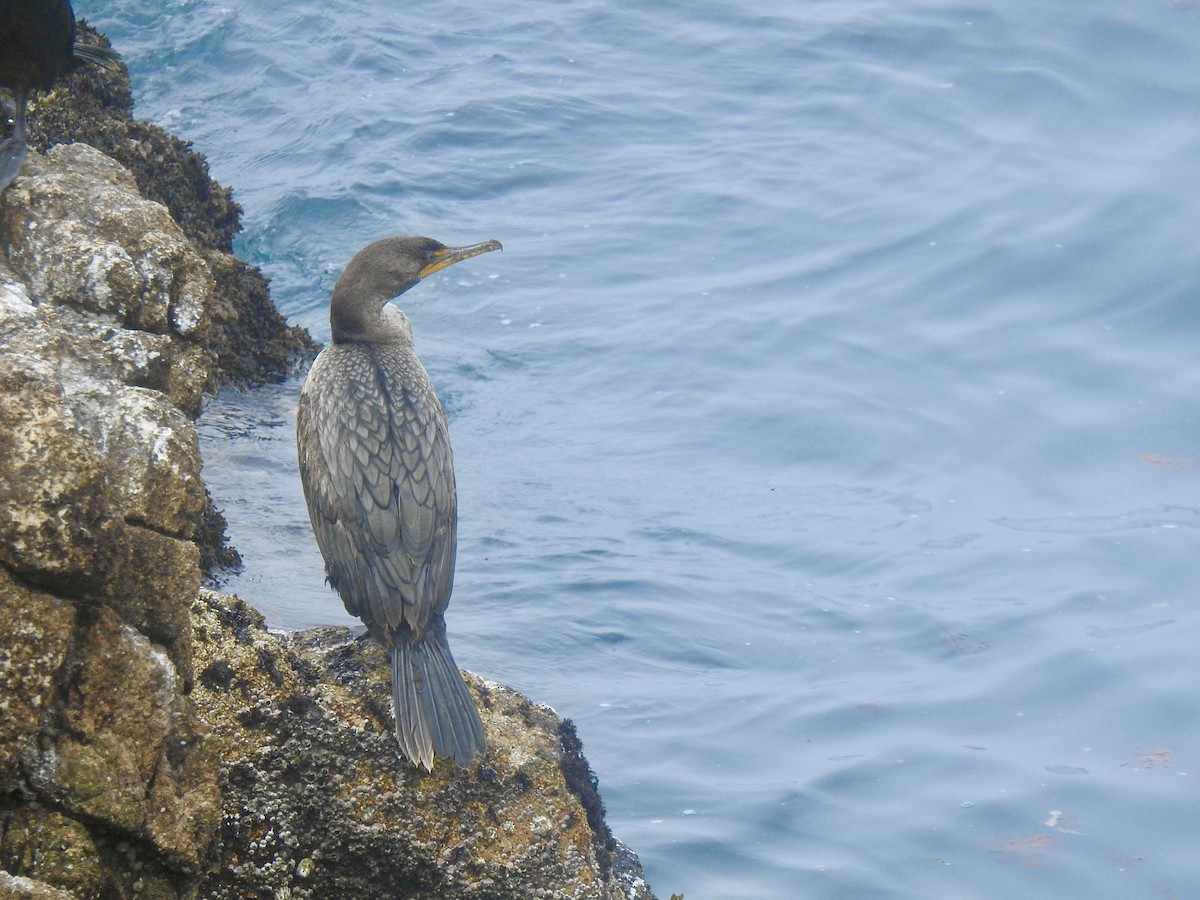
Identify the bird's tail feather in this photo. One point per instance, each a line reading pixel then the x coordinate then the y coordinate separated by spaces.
pixel 435 715
pixel 101 56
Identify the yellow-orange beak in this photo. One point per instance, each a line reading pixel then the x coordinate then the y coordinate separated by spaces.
pixel 448 256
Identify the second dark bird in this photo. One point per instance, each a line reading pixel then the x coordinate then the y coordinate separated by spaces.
pixel 378 478
pixel 37 45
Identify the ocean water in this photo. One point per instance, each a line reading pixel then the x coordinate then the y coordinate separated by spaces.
pixel 827 433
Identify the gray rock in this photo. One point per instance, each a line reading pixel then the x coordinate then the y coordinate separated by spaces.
pixel 326 806
pixel 252 341
pixel 15 888
pixel 100 493
pixel 80 235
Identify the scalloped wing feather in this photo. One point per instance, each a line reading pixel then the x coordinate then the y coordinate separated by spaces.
pixel 378 477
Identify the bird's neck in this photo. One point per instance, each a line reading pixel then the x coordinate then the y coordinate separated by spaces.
pixel 368 323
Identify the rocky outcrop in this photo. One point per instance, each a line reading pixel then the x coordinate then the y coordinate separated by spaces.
pixel 114 269
pixel 105 783
pixel 155 740
pixel 328 808
pixel 100 483
pixel 250 339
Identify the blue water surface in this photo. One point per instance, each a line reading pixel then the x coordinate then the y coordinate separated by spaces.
pixel 826 434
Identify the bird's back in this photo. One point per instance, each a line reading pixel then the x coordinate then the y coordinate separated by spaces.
pixel 37 40
pixel 378 476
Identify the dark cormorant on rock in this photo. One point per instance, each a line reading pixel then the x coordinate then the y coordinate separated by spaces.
pixel 37 45
pixel 379 481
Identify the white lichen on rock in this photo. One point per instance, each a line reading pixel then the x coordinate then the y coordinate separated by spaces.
pixel 81 235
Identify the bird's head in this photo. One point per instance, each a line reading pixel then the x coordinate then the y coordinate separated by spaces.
pixel 384 270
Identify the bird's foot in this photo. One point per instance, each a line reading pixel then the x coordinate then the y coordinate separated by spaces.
pixel 12 154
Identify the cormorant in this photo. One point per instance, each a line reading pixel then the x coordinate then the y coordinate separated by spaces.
pixel 37 45
pixel 378 478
